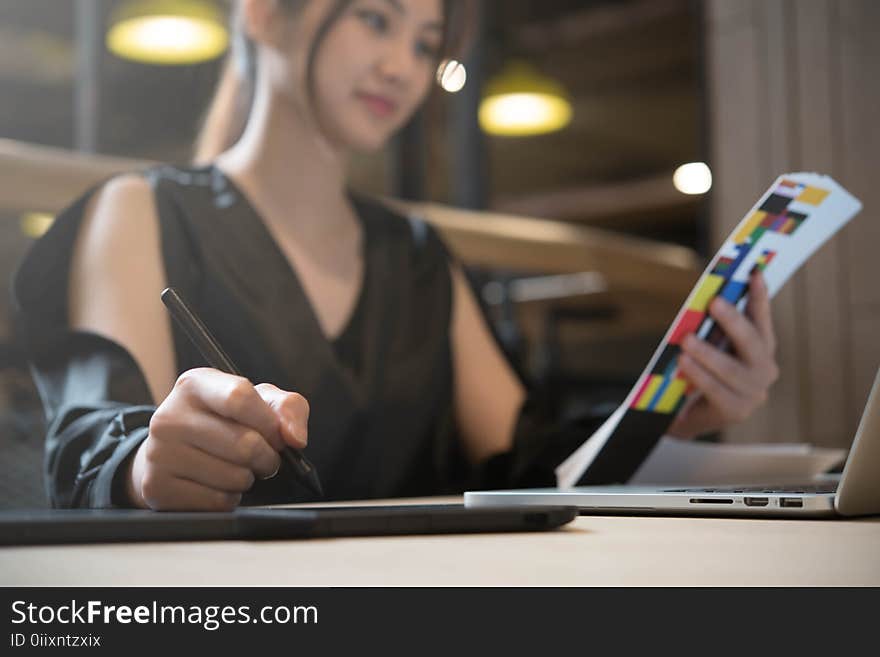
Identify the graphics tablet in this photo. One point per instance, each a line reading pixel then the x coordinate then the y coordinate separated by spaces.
pixel 102 526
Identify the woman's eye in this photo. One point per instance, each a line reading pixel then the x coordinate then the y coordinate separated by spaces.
pixel 428 49
pixel 375 20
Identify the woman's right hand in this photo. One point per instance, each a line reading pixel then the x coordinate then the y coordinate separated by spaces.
pixel 211 437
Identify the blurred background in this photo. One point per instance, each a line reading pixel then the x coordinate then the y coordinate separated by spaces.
pixel 584 215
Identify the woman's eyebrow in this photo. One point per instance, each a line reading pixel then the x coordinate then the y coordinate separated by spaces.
pixel 397 5
pixel 400 9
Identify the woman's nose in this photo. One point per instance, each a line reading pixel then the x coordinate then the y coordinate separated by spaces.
pixel 398 62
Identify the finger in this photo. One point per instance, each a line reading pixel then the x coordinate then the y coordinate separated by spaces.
pixel 749 344
pixel 195 465
pixel 233 397
pixel 173 494
pixel 701 418
pixel 726 401
pixel 759 309
pixel 221 438
pixel 293 411
pixel 683 427
pixel 692 400
pixel 723 366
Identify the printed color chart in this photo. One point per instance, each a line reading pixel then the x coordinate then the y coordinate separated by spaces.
pixel 784 210
pixel 793 218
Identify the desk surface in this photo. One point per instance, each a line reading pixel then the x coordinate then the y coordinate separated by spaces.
pixel 591 551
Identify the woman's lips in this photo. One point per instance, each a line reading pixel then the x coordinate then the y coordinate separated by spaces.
pixel 378 105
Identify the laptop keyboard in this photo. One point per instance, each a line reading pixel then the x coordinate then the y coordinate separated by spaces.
pixel 814 488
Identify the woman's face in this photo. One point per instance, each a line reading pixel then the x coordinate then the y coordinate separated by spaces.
pixel 374 67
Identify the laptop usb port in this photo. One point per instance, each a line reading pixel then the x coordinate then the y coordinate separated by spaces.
pixel 756 501
pixel 791 502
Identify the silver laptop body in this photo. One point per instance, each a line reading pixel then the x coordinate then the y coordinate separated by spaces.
pixel 857 492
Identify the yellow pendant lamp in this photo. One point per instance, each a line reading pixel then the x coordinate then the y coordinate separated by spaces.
pixel 35 224
pixel 522 102
pixel 168 32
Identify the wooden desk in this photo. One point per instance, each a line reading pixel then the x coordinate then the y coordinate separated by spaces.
pixel 591 551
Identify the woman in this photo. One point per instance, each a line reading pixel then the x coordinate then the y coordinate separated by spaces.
pixel 377 354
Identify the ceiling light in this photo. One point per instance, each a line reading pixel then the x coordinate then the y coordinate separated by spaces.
pixel 35 224
pixel 522 102
pixel 692 178
pixel 168 32
pixel 451 75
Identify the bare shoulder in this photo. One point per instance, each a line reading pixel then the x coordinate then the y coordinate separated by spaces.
pixel 117 274
pixel 122 212
pixel 117 248
pixel 117 253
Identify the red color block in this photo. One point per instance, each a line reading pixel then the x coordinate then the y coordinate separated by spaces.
pixel 689 323
pixel 641 391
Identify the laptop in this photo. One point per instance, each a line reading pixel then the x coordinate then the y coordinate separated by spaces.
pixel 855 492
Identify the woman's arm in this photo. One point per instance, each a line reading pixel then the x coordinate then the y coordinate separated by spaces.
pixel 488 394
pixel 117 274
pixel 212 432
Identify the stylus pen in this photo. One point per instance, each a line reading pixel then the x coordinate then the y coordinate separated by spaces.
pixel 211 350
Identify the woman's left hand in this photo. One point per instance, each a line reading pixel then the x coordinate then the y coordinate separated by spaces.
pixel 730 387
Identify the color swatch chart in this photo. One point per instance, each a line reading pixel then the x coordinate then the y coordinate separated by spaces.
pixel 754 245
pixel 791 220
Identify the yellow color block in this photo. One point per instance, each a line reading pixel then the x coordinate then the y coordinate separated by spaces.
pixel 751 223
pixel 706 292
pixel 649 392
pixel 813 195
pixel 671 395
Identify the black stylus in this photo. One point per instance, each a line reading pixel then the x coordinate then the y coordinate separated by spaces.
pixel 211 350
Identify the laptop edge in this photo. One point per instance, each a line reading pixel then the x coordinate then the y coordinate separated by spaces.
pixel 858 492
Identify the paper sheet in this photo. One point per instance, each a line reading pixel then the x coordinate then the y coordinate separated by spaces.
pixel 688 463
pixel 794 217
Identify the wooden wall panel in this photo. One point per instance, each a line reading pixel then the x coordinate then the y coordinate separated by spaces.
pixel 865 349
pixel 783 418
pixel 859 70
pixel 825 311
pixel 791 87
pixel 744 158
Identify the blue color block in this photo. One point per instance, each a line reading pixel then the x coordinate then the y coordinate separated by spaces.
pixel 659 394
pixel 733 291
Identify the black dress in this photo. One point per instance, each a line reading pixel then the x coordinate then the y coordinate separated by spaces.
pixel 381 422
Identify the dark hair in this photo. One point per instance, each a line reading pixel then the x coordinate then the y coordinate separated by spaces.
pixel 227 115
